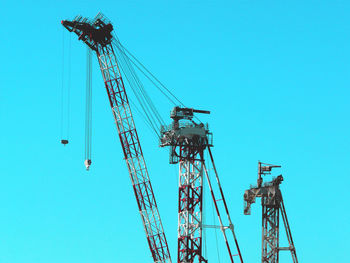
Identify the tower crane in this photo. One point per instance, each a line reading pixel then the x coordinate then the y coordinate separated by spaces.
pixel 187 141
pixel 97 35
pixel 272 206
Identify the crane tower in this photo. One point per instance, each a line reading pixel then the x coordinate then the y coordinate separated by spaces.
pixel 272 206
pixel 97 34
pixel 187 141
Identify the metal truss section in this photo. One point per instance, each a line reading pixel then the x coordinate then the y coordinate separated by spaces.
pixel 190 211
pixel 97 34
pixel 272 205
pixel 187 141
pixel 270 235
pixel 133 154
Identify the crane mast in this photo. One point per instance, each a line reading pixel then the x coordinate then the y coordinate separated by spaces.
pixel 97 34
pixel 187 141
pixel 272 206
pixel 187 144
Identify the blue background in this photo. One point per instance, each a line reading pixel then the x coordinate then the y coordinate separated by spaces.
pixel 275 75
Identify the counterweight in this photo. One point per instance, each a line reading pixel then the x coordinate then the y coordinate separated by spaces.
pixel 97 35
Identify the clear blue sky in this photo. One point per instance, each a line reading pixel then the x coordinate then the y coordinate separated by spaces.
pixel 275 75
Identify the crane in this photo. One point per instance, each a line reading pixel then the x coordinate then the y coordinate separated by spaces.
pixel 272 206
pixel 187 141
pixel 97 34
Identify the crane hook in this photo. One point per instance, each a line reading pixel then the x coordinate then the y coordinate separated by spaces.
pixel 87 164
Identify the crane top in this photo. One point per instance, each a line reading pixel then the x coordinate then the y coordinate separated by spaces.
pixel 269 192
pixel 94 33
pixel 264 169
pixel 179 113
pixel 187 132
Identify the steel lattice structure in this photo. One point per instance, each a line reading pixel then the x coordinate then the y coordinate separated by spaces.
pixel 190 211
pixel 270 223
pixel 97 35
pixel 188 142
pixel 272 206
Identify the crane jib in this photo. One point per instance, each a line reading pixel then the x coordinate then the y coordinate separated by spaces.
pixel 97 35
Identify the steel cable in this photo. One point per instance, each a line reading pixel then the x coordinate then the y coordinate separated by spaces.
pixel 88 107
pixel 149 75
pixel 141 88
pixel 137 95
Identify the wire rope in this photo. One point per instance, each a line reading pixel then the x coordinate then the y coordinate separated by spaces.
pixel 143 117
pixel 62 85
pixel 147 76
pixel 69 84
pixel 138 97
pixel 149 72
pixel 88 109
pixel 140 86
pixel 149 110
